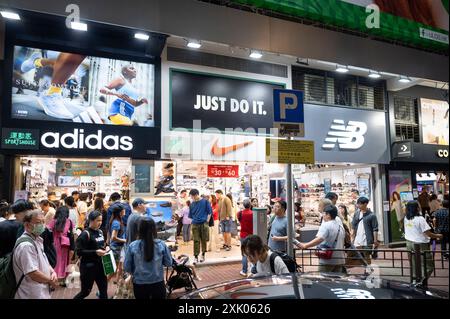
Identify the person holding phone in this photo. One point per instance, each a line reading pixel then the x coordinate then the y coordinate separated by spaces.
pixel 91 247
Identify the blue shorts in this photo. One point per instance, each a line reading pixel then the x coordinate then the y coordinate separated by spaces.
pixel 225 226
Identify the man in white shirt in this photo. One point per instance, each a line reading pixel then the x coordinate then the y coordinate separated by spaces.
pixel 31 266
pixel 259 254
pixel 331 234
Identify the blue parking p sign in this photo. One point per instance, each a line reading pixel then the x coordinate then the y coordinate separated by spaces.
pixel 289 115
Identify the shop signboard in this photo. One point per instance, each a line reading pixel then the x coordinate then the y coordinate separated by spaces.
pixel 24 139
pixel 288 111
pixel 83 168
pixel 289 151
pixel 424 25
pixel 202 101
pixel 345 135
pixel 402 150
pixel 69 139
pixel 223 171
pixel 420 153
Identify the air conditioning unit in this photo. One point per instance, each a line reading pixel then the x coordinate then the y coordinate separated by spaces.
pixel 365 94
pixel 316 91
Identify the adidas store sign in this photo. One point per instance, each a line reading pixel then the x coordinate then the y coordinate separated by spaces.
pixel 78 140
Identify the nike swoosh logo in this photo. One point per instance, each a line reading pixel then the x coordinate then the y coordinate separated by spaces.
pixel 216 150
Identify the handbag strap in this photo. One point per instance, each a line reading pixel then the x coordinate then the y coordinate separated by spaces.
pixel 337 236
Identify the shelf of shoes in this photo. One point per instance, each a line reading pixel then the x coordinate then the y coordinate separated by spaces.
pixel 311 194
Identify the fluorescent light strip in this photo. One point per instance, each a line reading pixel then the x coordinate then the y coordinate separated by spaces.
pixel 10 15
pixel 142 36
pixel 255 55
pixel 342 69
pixel 80 26
pixel 374 75
pixel 194 44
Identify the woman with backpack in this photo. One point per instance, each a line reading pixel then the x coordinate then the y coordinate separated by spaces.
pixel 90 248
pixel 145 260
pixel 62 229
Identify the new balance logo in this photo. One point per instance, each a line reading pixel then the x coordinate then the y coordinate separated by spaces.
pixel 350 137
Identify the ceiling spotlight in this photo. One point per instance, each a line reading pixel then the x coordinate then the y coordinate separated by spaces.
pixel 80 26
pixel 420 175
pixel 141 36
pixel 374 75
pixel 341 69
pixel 255 54
pixel 194 44
pixel 428 174
pixel 404 79
pixel 10 15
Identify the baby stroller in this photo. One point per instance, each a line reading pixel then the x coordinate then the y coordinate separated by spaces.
pixel 181 276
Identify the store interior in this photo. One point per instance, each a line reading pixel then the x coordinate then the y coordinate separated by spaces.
pixel 158 182
pixel 434 181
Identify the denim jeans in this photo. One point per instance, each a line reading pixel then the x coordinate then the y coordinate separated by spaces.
pixel 244 260
pixel 186 232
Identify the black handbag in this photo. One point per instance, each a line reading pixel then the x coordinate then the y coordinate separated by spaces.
pixel 71 237
pixel 49 248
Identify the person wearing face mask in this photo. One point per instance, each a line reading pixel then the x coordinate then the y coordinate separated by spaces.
pixel 34 275
pixel 91 247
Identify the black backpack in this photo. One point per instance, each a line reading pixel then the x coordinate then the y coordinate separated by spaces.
pixel 289 261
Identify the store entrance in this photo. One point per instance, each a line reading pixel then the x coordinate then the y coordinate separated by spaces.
pixel 51 177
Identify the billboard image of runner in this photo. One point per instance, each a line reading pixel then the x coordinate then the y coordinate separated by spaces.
pixel 60 86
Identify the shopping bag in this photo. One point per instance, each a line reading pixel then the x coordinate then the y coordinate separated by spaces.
pixel 109 263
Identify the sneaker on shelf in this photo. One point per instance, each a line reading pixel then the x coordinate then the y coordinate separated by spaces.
pixel 243 274
pixel 53 105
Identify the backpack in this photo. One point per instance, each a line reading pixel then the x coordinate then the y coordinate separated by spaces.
pixel 8 284
pixel 289 261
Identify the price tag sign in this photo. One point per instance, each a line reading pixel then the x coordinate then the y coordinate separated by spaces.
pixel 223 171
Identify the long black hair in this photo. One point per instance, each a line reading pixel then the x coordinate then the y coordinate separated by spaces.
pixel 147 233
pixel 412 209
pixel 61 215
pixel 116 210
pixel 345 211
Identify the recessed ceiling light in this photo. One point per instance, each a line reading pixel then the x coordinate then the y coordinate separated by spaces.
pixel 141 36
pixel 341 69
pixel 374 75
pixel 10 15
pixel 404 79
pixel 193 44
pixel 80 26
pixel 255 55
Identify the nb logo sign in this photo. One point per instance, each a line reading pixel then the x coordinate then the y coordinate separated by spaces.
pixel 347 137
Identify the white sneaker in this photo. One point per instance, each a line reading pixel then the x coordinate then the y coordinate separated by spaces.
pixel 28 64
pixel 53 106
pixel 243 274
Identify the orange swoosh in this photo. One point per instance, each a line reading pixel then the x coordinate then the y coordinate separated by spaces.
pixel 221 151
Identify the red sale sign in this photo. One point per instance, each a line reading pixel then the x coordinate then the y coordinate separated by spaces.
pixel 225 171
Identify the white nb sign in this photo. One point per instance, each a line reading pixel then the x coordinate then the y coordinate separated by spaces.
pixel 347 137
